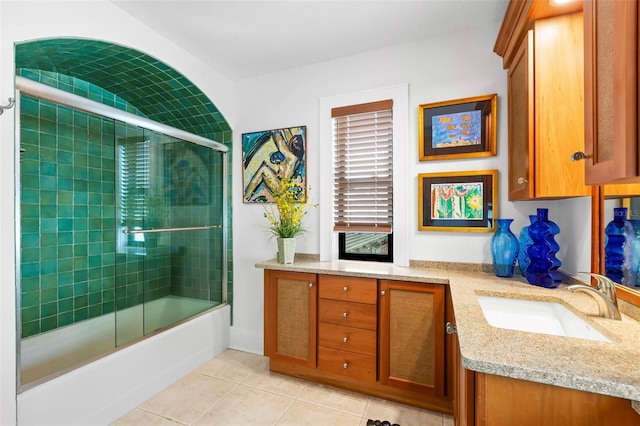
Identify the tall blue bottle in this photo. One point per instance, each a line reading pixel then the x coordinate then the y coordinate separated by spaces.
pixel 635 250
pixel 618 243
pixel 525 241
pixel 504 249
pixel 541 252
pixel 554 230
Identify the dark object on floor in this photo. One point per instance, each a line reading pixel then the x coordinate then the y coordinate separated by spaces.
pixel 380 423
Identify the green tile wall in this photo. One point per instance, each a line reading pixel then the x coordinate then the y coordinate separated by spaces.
pixel 67 216
pixel 70 268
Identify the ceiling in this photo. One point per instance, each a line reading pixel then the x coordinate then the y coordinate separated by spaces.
pixel 242 38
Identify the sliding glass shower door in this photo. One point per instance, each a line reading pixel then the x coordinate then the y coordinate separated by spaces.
pixel 169 215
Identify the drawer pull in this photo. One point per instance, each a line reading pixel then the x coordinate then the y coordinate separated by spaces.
pixel 345 288
pixel 344 339
pixel 310 285
pixel 345 314
pixel 382 293
pixel 345 365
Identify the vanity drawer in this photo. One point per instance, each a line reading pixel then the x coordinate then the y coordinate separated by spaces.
pixel 361 290
pixel 360 315
pixel 349 364
pixel 347 338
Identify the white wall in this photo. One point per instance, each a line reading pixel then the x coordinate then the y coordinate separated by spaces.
pixel 28 20
pixel 449 67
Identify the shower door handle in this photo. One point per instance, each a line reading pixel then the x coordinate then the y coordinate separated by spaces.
pixel 192 228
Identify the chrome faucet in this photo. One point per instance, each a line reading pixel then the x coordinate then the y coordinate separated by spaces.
pixel 605 295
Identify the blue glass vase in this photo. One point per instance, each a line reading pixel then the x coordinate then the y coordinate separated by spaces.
pixel 618 243
pixel 504 249
pixel 554 230
pixel 541 252
pixel 525 241
pixel 635 251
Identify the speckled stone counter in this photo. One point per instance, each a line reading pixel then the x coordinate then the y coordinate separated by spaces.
pixel 609 368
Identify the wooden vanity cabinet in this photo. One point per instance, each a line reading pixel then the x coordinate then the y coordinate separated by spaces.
pixel 412 336
pixel 504 401
pixel 347 318
pixel 611 91
pixel 290 323
pixel 379 337
pixel 546 111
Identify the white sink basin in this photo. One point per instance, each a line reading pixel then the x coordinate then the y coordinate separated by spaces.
pixel 537 317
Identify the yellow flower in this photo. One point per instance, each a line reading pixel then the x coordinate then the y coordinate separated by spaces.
pixel 291 204
pixel 475 202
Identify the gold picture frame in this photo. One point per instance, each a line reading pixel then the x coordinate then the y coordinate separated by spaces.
pixel 460 128
pixel 461 201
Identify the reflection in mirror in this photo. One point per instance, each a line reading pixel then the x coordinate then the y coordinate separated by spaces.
pixel 631 272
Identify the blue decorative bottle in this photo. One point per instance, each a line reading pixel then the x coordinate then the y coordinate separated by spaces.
pixel 635 250
pixel 618 241
pixel 525 241
pixel 541 252
pixel 554 230
pixel 504 249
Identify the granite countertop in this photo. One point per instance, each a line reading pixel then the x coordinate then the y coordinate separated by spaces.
pixel 609 368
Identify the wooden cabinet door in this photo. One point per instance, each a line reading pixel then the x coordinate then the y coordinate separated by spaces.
pixel 411 351
pixel 611 98
pixel 559 106
pixel 290 314
pixel 521 109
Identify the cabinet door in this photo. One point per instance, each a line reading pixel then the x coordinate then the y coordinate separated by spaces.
pixel 412 336
pixel 521 109
pixel 559 106
pixel 611 99
pixel 290 314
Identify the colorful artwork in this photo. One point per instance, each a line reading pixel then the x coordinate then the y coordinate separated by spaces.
pixel 462 201
pixel 457 201
pixel 270 156
pixel 459 129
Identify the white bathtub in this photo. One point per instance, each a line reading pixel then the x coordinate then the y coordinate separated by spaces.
pixel 99 392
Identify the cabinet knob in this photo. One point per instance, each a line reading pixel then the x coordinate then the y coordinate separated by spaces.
pixel 345 314
pixel 345 288
pixel 310 285
pixel 451 328
pixel 579 155
pixel 345 339
pixel 345 365
pixel 522 180
pixel 382 293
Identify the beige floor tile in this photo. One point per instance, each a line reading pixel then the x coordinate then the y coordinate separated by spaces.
pixel 246 406
pixel 189 398
pixel 276 383
pixel 303 413
pixel 234 365
pixel 137 417
pixel 404 415
pixel 336 399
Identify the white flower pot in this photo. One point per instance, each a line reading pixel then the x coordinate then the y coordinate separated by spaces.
pixel 286 249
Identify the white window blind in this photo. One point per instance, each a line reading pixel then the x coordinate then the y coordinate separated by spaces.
pixel 134 182
pixel 363 159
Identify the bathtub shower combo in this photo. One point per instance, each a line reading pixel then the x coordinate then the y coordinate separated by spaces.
pixel 122 230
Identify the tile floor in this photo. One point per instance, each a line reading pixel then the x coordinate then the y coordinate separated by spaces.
pixel 236 389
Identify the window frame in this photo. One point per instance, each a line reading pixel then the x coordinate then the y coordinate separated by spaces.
pixel 329 244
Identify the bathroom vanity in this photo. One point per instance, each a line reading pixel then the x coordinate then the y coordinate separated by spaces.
pixel 451 359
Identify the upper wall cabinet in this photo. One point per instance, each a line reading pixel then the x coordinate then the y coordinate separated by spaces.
pixel 611 95
pixel 546 110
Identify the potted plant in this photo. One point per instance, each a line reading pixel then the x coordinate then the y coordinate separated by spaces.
pixel 291 205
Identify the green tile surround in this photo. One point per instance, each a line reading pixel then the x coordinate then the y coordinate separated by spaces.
pixel 68 245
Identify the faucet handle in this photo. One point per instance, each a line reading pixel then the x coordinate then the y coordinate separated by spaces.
pixel 607 286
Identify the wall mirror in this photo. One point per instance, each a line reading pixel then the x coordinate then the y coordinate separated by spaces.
pixel 608 198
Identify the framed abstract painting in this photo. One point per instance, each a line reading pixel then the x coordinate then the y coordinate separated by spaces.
pixel 269 156
pixel 457 201
pixel 461 128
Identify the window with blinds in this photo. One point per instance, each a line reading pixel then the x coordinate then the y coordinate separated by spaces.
pixel 363 179
pixel 134 169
